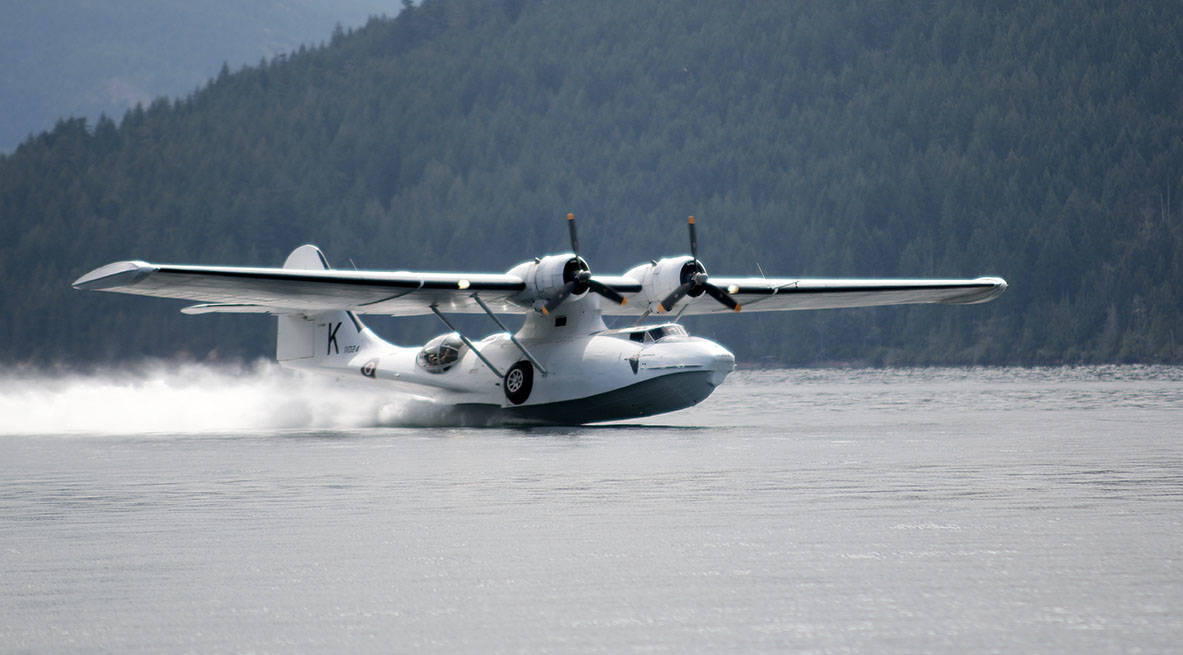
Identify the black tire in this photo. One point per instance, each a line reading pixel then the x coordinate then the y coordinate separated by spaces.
pixel 518 382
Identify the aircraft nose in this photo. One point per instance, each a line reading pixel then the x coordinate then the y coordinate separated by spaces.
pixel 722 364
pixel 693 354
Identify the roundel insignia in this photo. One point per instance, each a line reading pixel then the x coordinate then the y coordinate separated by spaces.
pixel 370 368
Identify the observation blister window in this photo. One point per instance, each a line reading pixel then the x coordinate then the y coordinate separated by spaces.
pixel 441 353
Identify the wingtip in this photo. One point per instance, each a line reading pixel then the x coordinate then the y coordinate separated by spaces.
pixel 118 274
pixel 984 289
pixel 999 285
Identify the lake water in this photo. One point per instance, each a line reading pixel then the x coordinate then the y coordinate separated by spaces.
pixel 936 510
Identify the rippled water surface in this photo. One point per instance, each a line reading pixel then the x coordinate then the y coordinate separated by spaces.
pixel 932 510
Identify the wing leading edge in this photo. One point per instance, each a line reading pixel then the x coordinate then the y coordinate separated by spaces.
pixel 408 293
pixel 786 294
pixel 285 290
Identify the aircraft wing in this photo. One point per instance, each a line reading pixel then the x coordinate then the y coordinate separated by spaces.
pixel 236 289
pixel 757 294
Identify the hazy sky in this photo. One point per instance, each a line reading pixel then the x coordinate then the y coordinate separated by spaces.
pixel 62 58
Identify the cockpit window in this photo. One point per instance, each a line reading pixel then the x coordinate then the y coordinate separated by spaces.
pixel 441 353
pixel 663 331
pixel 652 333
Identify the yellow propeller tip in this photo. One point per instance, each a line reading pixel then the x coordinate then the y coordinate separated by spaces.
pixel 737 307
pixel 570 217
pixel 544 312
pixel 623 302
pixel 692 220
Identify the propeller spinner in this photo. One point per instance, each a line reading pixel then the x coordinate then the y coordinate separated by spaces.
pixel 695 281
pixel 578 278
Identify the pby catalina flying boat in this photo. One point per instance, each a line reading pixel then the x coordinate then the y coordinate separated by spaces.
pixel 563 366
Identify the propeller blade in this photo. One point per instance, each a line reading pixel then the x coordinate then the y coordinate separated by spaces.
pixel 721 295
pixel 674 297
pixel 693 240
pixel 579 280
pixel 558 300
pixel 574 237
pixel 607 292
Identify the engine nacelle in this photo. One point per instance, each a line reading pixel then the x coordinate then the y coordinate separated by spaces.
pixel 659 279
pixel 546 277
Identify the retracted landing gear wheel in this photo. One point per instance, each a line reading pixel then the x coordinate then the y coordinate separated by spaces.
pixel 518 382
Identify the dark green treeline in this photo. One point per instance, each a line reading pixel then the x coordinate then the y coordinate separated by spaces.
pixel 1037 141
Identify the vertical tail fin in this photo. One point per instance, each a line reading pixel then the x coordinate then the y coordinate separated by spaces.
pixel 323 335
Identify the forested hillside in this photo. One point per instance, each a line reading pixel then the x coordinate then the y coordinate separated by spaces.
pixel 1036 141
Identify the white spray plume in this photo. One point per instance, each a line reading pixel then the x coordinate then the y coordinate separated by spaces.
pixel 199 398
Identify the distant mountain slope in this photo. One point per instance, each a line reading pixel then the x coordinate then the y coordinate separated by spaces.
pixel 62 58
pixel 1040 143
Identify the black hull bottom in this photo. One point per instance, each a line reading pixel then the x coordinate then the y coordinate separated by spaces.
pixel 667 393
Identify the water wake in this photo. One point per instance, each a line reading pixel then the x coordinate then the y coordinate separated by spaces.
pixel 199 398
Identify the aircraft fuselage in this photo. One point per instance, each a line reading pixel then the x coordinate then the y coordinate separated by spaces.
pixel 606 375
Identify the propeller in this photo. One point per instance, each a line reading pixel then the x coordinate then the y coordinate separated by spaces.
pixel 578 278
pixel 695 281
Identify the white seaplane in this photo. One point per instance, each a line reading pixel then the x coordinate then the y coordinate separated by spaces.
pixel 563 366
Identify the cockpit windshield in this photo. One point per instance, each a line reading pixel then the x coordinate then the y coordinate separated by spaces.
pixel 652 333
pixel 441 353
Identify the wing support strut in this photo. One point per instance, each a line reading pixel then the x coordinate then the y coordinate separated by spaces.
pixel 512 338
pixel 435 310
